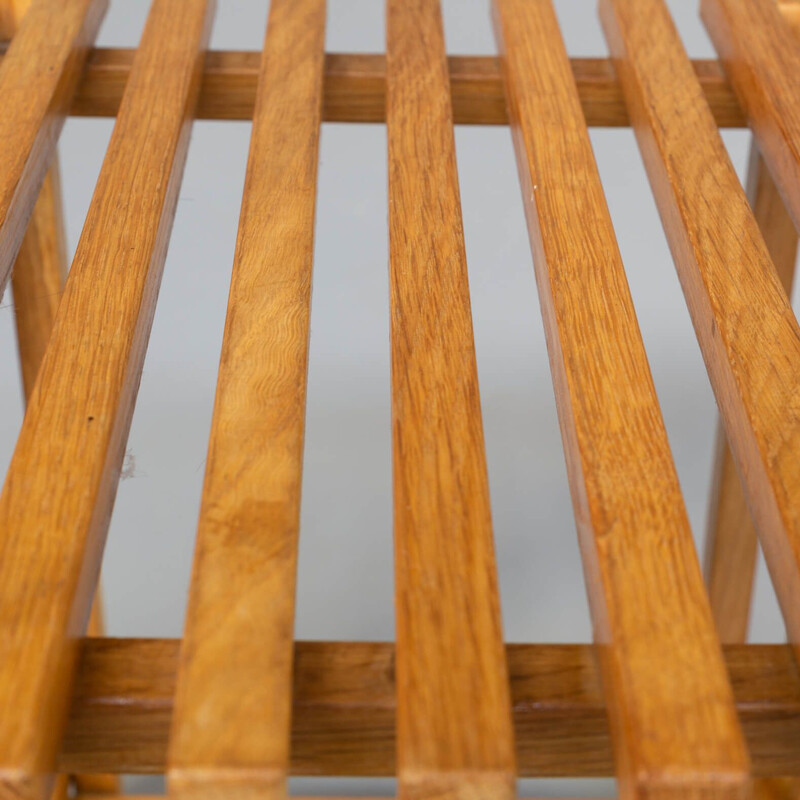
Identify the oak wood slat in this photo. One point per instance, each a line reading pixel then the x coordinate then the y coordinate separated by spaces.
pixel 79 414
pixel 355 88
pixel 731 542
pixel 454 733
pixel 674 728
pixel 742 317
pixel 236 670
pixel 761 55
pixel 38 276
pixel 343 718
pixel 41 263
pixel 38 76
pixel 40 267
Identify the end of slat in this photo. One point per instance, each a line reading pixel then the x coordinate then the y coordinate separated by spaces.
pixel 19 784
pixel 731 784
pixel 456 785
pixel 227 783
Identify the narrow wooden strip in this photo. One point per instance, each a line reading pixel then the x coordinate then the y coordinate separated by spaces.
pixel 96 783
pixel 57 498
pixel 454 733
pixel 38 77
pixel 41 264
pixel 674 729
pixel 355 88
pixel 731 541
pixel 742 317
pixel 761 56
pixel 236 670
pixel 343 717
pixel 38 279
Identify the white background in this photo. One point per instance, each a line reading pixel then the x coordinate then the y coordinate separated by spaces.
pixel 345 572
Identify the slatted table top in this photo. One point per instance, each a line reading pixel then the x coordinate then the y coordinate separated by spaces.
pixel 668 697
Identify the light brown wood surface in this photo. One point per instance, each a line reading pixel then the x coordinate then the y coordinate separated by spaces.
pixel 731 543
pixel 644 583
pixel 38 279
pixel 344 707
pixel 76 425
pixel 747 332
pixel 454 734
pixel 41 263
pixel 761 56
pixel 38 76
pixel 236 668
pixel 355 88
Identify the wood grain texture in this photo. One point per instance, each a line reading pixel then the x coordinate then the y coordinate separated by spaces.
pixel 38 279
pixel 41 264
pixel 454 734
pixel 731 543
pixel 761 56
pixel 79 414
pixel 344 707
pixel 38 77
pixel 236 670
pixel 643 579
pixel 742 318
pixel 355 88
pixel 96 783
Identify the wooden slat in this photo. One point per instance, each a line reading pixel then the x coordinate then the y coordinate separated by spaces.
pixel 454 735
pixel 731 542
pixel 78 417
pixel 237 664
pixel 96 783
pixel 41 264
pixel 675 728
pixel 38 279
pixel 343 718
pixel 742 318
pixel 38 77
pixel 761 56
pixel 355 88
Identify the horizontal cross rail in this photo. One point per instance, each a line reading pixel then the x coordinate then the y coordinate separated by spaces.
pixel 343 716
pixel 355 88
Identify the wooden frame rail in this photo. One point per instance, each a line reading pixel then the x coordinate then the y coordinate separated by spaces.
pixel 355 88
pixel 345 705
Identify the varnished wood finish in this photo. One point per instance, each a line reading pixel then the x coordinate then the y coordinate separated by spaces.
pixel 41 264
pixel 355 88
pixel 38 279
pixel 343 718
pixel 454 735
pixel 38 77
pixel 744 323
pixel 452 711
pixel 731 543
pixel 237 663
pixel 76 425
pixel 760 54
pixel 645 587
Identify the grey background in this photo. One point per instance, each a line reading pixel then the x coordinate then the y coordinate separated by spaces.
pixel 345 572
